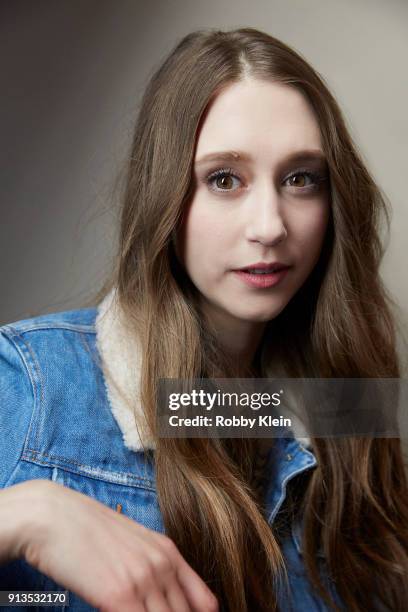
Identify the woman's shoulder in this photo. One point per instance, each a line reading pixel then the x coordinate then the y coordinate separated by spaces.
pixel 43 338
pixel 28 345
pixel 40 353
pixel 46 337
pixel 80 319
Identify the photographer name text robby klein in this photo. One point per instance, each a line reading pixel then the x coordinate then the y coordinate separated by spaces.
pixel 234 421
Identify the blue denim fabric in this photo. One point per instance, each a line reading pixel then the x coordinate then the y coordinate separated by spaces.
pixel 56 423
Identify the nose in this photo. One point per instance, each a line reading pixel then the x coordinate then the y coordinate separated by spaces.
pixel 265 223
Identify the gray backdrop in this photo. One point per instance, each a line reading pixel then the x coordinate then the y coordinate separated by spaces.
pixel 72 72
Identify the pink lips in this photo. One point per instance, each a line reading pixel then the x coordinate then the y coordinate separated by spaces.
pixel 262 280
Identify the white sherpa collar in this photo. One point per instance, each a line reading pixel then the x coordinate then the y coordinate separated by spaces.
pixel 122 355
pixel 121 365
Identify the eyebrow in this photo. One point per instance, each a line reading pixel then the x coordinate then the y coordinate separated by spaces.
pixel 297 156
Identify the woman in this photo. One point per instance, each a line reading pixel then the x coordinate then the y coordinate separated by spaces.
pixel 240 159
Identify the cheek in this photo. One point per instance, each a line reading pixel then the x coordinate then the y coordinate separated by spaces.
pixel 311 230
pixel 200 239
pixel 203 230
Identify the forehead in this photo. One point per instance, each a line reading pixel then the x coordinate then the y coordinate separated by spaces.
pixel 264 118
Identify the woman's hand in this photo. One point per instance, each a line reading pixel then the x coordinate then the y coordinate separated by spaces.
pixel 107 559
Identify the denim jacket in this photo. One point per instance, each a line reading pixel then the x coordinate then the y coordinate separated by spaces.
pixel 62 418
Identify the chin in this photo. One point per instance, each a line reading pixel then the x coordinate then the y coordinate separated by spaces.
pixel 261 316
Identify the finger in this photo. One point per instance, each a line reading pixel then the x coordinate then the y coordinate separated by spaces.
pixel 166 578
pixel 156 602
pixel 176 598
pixel 199 596
pixel 137 606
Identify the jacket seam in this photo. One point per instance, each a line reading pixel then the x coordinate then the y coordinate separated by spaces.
pixel 104 475
pixel 40 326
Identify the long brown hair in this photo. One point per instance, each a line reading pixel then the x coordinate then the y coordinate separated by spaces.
pixel 339 324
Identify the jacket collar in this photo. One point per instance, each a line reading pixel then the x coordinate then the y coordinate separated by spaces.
pixel 121 366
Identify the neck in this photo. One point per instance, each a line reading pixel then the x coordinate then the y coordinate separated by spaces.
pixel 239 338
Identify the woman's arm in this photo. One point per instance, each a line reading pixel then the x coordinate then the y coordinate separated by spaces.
pixel 109 560
pixel 15 521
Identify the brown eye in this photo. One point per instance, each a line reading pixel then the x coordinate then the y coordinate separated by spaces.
pixel 298 180
pixel 222 180
pixel 306 180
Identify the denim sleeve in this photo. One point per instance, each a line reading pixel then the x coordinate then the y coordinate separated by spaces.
pixel 16 405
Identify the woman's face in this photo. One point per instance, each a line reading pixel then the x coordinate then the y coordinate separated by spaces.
pixel 268 205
